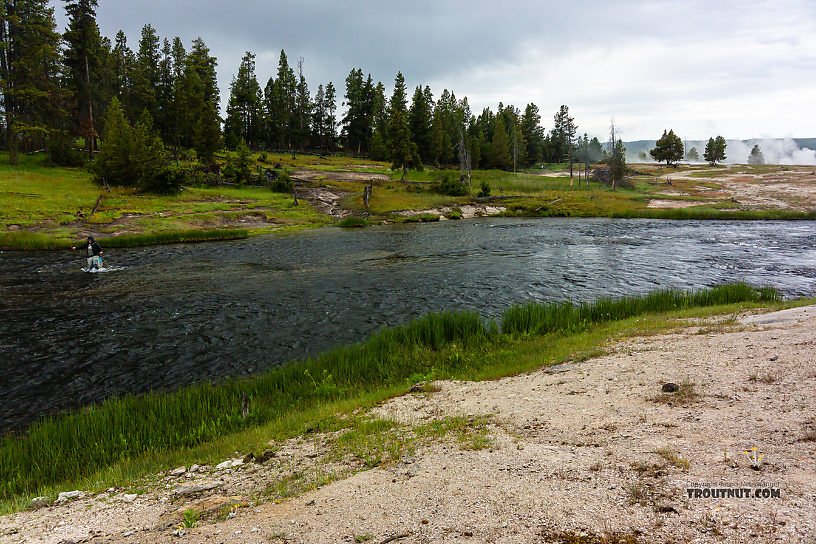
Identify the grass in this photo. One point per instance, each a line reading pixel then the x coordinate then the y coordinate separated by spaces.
pixel 50 208
pixel 130 435
pixel 352 222
pixel 686 394
pixel 673 458
pixel 46 207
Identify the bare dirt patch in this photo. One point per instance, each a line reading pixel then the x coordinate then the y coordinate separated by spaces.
pixel 593 447
pixel 469 211
pixel 356 177
pixel 783 187
pixel 666 203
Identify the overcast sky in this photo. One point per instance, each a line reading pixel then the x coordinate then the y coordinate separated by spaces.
pixel 740 69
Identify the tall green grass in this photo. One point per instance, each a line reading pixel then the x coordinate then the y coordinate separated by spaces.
pixel 173 237
pixel 714 214
pixel 571 317
pixel 25 240
pixel 78 443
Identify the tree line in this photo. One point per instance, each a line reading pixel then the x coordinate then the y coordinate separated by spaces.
pixel 57 88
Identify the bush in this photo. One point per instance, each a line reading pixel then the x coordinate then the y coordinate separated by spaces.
pixel 238 165
pixel 449 183
pixel 283 183
pixel 352 222
pixel 485 190
pixel 455 213
pixel 263 157
pixel 133 155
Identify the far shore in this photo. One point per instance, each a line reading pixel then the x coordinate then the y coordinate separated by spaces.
pixel 52 208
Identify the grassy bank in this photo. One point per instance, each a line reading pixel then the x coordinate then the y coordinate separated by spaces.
pixel 126 432
pixel 24 240
pixel 50 208
pixel 45 207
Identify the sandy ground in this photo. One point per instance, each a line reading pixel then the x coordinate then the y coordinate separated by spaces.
pixel 784 188
pixel 593 447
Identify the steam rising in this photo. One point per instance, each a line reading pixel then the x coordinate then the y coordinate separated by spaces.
pixel 776 151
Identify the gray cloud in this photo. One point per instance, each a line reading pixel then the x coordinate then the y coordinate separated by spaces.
pixel 743 69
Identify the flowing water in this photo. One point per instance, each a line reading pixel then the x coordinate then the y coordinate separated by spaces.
pixel 173 315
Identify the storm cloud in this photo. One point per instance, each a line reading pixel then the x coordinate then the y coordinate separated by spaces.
pixel 740 69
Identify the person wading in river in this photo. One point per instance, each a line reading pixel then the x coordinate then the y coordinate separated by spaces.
pixel 94 253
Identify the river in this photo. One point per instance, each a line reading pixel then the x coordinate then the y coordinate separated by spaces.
pixel 174 315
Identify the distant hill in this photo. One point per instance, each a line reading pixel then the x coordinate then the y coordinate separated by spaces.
pixel 775 150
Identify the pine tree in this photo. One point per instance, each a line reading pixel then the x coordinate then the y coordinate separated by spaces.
pixel 147 73
pixel 32 104
pixel 82 62
pixel 533 133
pixel 164 94
pixel 319 117
pixel 302 111
pixel 280 104
pixel 420 118
pixel 668 148
pixel 131 156
pixel 756 156
pixel 380 121
pixel 403 149
pixel 114 165
pixel 207 131
pixel 123 64
pixel 500 146
pixel 356 131
pixel 693 155
pixel 330 105
pixel 244 116
pixel 715 150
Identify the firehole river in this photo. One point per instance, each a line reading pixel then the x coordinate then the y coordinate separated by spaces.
pixel 173 315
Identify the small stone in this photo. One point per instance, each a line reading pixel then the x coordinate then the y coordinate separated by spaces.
pixel 197 488
pixel 39 499
pixel 129 497
pixel 425 522
pixel 129 533
pixel 178 471
pixel 68 495
pixel 195 468
pixel 670 387
pixel 254 530
pixel 225 464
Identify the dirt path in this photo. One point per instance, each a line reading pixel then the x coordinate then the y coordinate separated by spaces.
pixel 593 448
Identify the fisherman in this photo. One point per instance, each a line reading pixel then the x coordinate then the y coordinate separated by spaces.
pixel 94 254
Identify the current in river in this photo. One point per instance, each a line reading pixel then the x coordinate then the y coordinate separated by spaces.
pixel 173 315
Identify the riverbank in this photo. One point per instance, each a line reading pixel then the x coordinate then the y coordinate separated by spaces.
pixel 590 447
pixel 51 208
pixel 57 450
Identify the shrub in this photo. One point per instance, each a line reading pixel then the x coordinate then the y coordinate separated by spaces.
pixel 485 190
pixel 449 183
pixel 133 155
pixel 263 157
pixel 455 213
pixel 352 222
pixel 283 183
pixel 238 165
